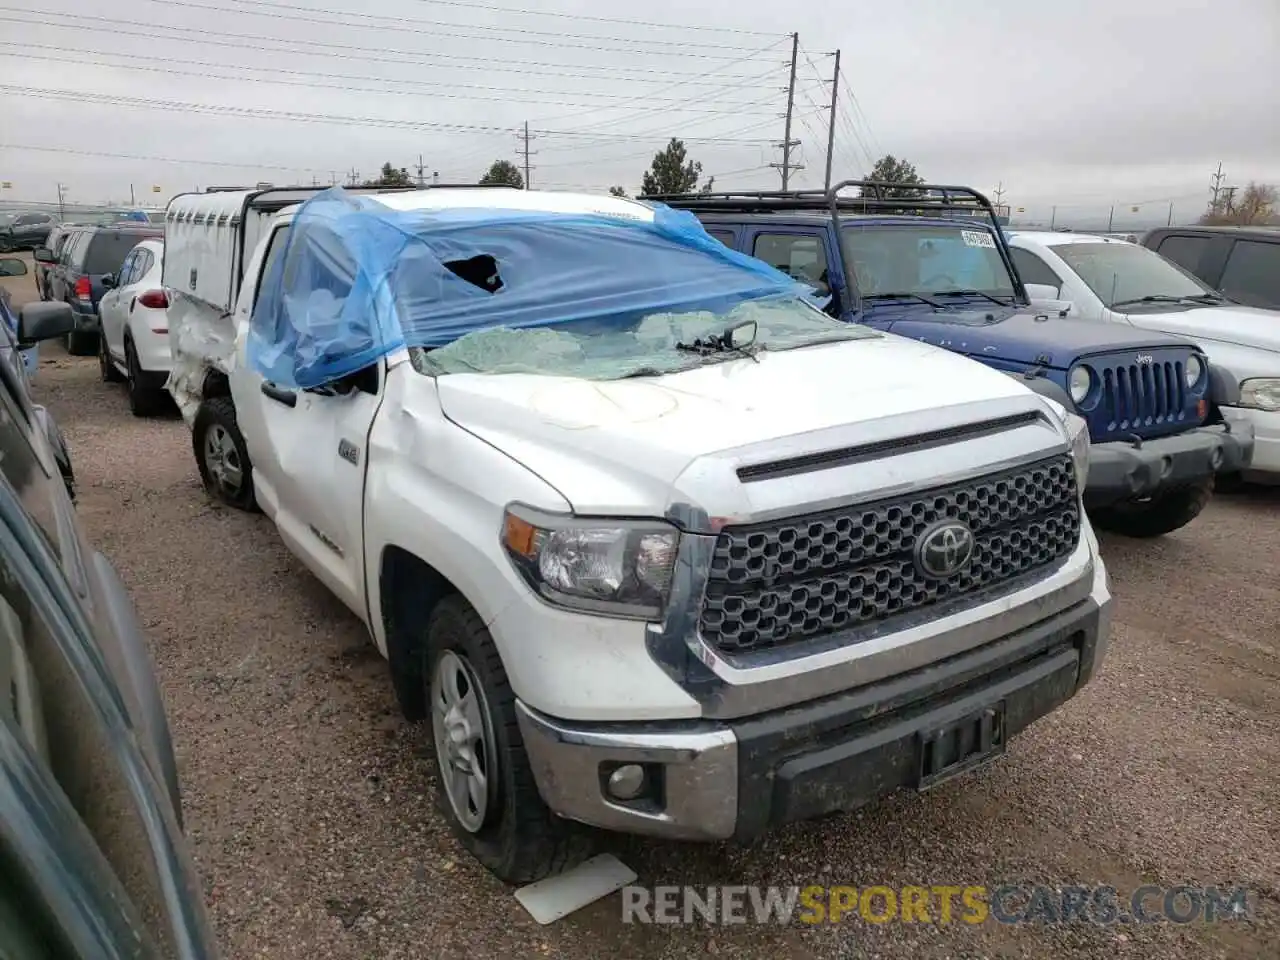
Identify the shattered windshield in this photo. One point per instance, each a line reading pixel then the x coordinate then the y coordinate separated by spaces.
pixel 926 260
pixel 658 343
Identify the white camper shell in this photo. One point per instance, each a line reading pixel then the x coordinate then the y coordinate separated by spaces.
pixel 209 239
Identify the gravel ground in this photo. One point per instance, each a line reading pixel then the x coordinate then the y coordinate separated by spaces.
pixel 308 799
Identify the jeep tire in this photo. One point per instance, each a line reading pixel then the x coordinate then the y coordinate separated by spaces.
pixel 1162 513
pixel 516 836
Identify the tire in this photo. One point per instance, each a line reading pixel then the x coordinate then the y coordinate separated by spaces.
pixel 517 837
pixel 214 415
pixel 106 369
pixel 143 401
pixel 1162 514
pixel 82 343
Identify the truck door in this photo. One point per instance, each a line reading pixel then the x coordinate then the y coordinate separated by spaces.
pixel 308 449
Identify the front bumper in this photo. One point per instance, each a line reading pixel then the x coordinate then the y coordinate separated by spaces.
pixel 1120 471
pixel 85 316
pixel 715 780
pixel 1264 467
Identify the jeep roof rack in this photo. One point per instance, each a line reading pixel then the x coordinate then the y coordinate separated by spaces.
pixel 928 198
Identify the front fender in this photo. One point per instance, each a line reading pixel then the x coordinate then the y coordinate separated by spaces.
pixel 1045 387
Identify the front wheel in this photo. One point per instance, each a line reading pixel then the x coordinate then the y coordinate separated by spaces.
pixel 221 454
pixel 1157 515
pixel 485 785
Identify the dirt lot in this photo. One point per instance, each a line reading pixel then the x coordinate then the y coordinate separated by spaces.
pixel 307 796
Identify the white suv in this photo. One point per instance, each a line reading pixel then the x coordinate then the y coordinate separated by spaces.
pixel 134 346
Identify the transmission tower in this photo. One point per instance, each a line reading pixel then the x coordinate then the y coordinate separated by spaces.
pixel 525 153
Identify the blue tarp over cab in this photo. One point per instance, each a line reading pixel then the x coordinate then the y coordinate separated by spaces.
pixel 359 280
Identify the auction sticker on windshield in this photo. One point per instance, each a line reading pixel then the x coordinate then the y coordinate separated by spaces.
pixel 976 238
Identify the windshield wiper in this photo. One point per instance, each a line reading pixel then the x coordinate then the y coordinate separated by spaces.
pixel 1166 298
pixel 902 296
pixel 974 293
pixel 723 342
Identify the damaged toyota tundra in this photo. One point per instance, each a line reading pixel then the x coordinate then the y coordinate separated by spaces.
pixel 651 543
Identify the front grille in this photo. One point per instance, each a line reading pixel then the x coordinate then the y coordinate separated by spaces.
pixel 804 577
pixel 1139 395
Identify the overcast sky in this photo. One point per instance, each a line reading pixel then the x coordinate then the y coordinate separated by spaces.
pixel 1075 103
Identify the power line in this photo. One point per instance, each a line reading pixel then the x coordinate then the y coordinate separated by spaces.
pixel 495 65
pixel 470 5
pixel 154 159
pixel 310 12
pixel 171 71
pixel 260 113
pixel 371 52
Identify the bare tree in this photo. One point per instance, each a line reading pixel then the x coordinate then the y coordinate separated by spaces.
pixel 1259 203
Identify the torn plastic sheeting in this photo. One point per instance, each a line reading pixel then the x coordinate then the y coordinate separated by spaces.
pixel 359 280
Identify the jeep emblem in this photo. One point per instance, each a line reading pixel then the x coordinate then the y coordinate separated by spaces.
pixel 1145 358
pixel 944 549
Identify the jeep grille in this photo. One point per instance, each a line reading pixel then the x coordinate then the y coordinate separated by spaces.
pixel 853 568
pixel 1142 395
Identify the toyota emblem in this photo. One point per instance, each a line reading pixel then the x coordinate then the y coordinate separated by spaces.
pixel 944 549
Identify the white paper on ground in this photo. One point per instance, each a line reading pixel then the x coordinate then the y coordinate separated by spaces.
pixel 554 897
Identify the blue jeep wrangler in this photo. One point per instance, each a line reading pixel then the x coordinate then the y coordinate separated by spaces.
pixel 931 263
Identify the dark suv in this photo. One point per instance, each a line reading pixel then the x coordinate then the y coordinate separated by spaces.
pixel 93 862
pixel 87 255
pixel 1242 263
pixel 24 231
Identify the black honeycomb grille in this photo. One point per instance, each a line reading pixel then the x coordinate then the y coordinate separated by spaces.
pixel 799 579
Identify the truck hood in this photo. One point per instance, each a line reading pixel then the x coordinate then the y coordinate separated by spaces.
pixel 1027 337
pixel 1246 326
pixel 621 446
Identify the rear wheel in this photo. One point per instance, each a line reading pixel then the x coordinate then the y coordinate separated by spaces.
pixel 144 401
pixel 485 784
pixel 221 454
pixel 82 343
pixel 1157 515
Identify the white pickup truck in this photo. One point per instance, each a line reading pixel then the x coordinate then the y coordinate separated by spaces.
pixel 691 593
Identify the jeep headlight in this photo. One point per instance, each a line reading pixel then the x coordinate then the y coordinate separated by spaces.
pixel 1079 384
pixel 1193 370
pixel 620 568
pixel 1078 433
pixel 1261 394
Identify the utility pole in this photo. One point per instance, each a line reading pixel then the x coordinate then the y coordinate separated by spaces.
pixel 998 193
pixel 420 180
pixel 1053 218
pixel 1170 223
pixel 132 202
pixel 1228 200
pixel 526 153
pixel 62 193
pixel 831 120
pixel 1216 188
pixel 1111 218
pixel 786 166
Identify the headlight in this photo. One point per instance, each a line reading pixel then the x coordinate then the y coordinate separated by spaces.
pixel 1078 431
pixel 1192 370
pixel 1261 394
pixel 1079 384
pixel 618 568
